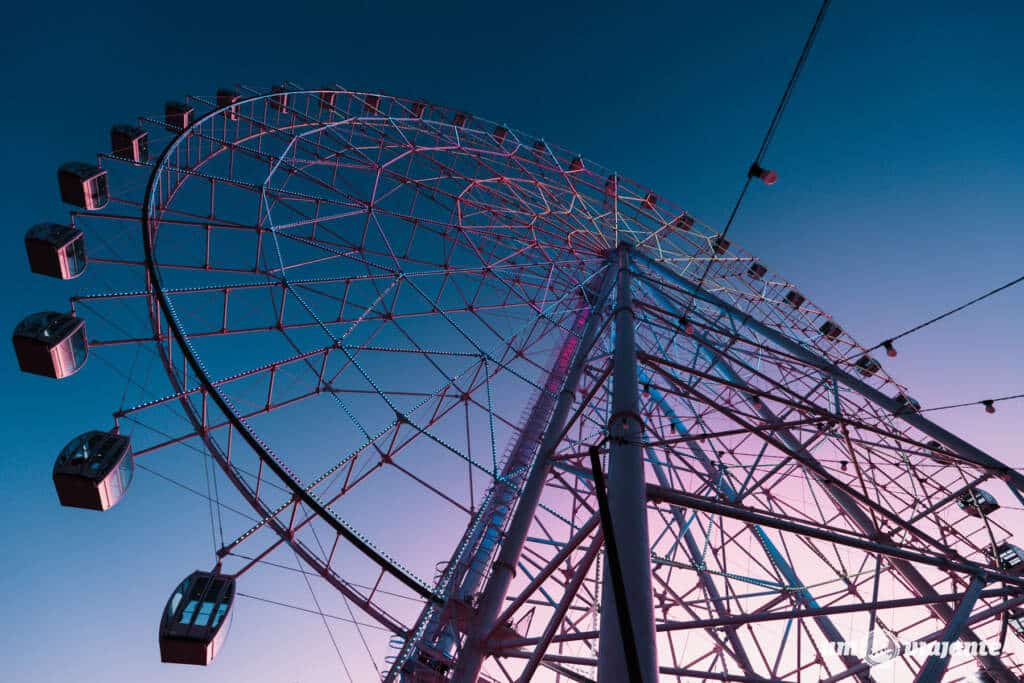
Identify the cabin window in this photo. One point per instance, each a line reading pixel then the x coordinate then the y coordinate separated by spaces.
pixel 189 611
pixel 222 609
pixel 81 349
pixel 76 257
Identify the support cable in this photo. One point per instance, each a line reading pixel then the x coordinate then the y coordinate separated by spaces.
pixel 755 167
pixel 888 343
pixel 986 402
pixel 615 569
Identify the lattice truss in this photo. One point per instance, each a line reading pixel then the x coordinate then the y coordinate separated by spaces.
pixel 363 309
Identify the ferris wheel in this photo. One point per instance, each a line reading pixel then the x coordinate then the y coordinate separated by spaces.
pixel 528 418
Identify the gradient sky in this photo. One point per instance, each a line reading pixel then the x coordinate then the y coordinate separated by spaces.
pixel 900 195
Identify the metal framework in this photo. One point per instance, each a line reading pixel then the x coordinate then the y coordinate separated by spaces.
pixel 400 332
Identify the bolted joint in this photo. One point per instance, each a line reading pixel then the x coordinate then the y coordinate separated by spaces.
pixel 618 423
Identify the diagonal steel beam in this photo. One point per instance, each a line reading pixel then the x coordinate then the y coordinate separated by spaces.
pixel 935 666
pixel 503 569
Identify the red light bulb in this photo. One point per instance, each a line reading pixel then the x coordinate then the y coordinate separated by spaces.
pixel 766 175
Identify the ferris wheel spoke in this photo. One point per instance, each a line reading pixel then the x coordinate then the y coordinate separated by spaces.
pixel 786 443
pixel 220 144
pixel 829 534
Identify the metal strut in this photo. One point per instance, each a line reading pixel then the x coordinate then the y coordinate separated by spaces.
pixel 492 597
pixel 483 534
pixel 627 504
pixel 725 488
pixel 843 500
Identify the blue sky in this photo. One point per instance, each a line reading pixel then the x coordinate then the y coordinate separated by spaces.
pixel 900 195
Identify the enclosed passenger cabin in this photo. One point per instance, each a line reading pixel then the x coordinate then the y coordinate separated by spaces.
pixel 327 98
pixel 908 404
pixel 795 298
pixel 51 344
pixel 129 142
pixel 460 119
pixel 417 110
pixel 939 453
pixel 977 502
pixel 500 133
pixel 756 270
pixel 576 164
pixel 279 100
pixel 721 245
pixel 1010 558
pixel 650 199
pixel 55 250
pixel 611 185
pixel 94 470
pixel 867 366
pixel 83 185
pixel 195 621
pixel 228 97
pixel 830 330
pixel 178 115
pixel 1016 623
pixel 372 104
pixel 684 222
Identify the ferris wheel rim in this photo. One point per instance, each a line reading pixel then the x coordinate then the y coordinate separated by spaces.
pixel 224 403
pixel 261 450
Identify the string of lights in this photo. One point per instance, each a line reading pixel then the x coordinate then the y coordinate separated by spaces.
pixel 889 344
pixel 756 170
pixel 989 404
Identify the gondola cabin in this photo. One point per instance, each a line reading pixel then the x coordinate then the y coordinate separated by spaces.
pixel 830 330
pixel 51 344
pixel 1010 558
pixel 372 104
pixel 228 97
pixel 279 98
pixel 1016 623
pixel 500 133
pixel 83 185
pixel 611 186
pixel 756 271
pixel 977 502
pixel 178 116
pixel 908 404
pixel 460 119
pixel 327 99
pixel 867 366
pixel 55 250
pixel 939 453
pixel 650 199
pixel 417 110
pixel 795 298
pixel 195 621
pixel 93 471
pixel 721 245
pixel 576 164
pixel 129 142
pixel 684 222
